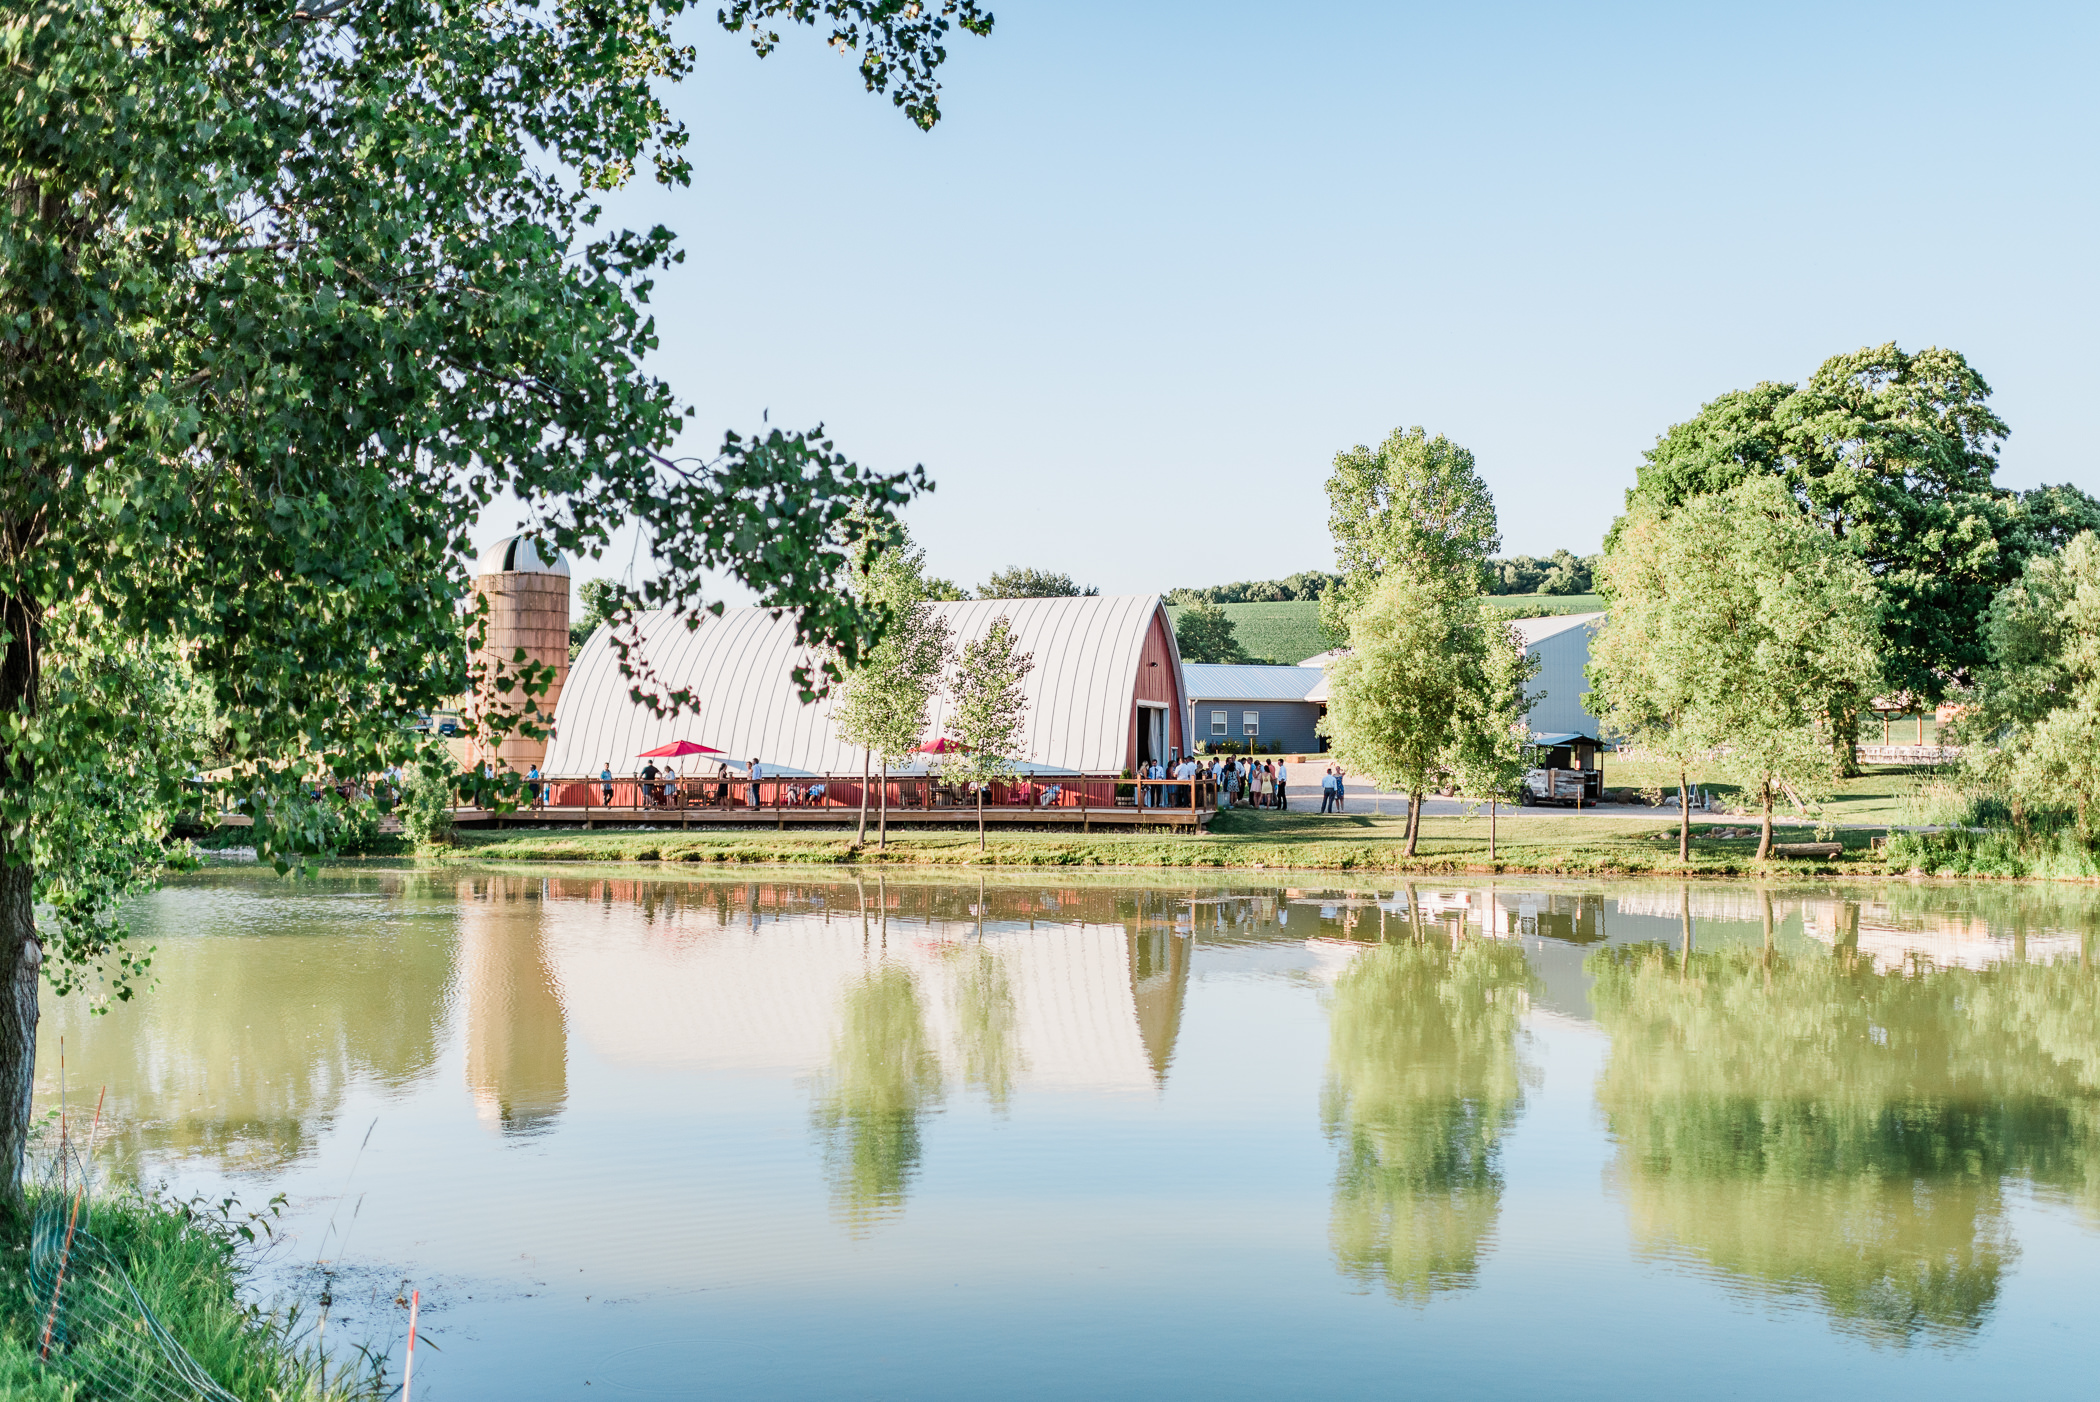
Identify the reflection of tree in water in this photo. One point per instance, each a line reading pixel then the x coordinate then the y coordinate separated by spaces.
pixel 271 1001
pixel 1813 1129
pixel 884 1076
pixel 1423 1082
pixel 987 1027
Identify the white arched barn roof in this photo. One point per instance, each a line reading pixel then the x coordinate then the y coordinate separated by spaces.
pixel 1093 663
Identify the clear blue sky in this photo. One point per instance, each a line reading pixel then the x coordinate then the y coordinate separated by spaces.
pixel 1158 263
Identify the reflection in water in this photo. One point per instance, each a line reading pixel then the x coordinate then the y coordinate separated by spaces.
pixel 884 1077
pixel 1159 982
pixel 268 1004
pixel 517 1037
pixel 1423 1082
pixel 1811 1128
pixel 987 1025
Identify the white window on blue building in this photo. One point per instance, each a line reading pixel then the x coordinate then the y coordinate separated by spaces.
pixel 1250 722
pixel 1217 722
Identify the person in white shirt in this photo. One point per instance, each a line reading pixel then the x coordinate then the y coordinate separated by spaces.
pixel 1283 795
pixel 756 775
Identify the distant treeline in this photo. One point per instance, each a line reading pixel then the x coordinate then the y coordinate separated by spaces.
pixel 1562 572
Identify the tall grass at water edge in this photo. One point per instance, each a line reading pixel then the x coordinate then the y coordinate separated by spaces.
pixel 187 1262
pixel 2056 855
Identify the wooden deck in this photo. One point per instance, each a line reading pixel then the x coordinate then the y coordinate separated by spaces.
pixel 1080 818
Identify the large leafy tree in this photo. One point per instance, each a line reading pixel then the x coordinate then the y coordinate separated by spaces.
pixel 1894 453
pixel 288 293
pixel 2036 721
pixel 1414 502
pixel 1416 661
pixel 1739 627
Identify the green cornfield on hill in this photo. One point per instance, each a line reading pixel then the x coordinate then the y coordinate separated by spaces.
pixel 1288 633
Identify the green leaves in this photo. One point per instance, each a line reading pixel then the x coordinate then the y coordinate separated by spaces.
pixel 1737 624
pixel 1892 453
pixel 1204 633
pixel 1413 503
pixel 285 302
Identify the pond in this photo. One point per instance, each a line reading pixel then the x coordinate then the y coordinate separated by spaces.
pixel 806 1136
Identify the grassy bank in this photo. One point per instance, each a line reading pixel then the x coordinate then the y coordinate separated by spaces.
pixel 1560 844
pixel 187 1266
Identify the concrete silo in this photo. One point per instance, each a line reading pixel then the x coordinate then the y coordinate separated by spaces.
pixel 528 607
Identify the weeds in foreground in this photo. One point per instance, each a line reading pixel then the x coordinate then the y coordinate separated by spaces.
pixel 186 1261
pixel 1999 851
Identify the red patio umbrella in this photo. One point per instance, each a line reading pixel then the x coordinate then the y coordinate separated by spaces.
pixel 942 746
pixel 677 748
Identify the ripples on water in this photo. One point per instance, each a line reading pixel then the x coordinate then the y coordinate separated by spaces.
pixel 819 1137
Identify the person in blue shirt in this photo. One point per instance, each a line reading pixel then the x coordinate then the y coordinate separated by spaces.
pixel 605 778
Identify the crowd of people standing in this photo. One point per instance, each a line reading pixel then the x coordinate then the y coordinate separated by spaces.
pixel 1238 782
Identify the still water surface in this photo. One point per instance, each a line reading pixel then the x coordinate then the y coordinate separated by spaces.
pixel 809 1137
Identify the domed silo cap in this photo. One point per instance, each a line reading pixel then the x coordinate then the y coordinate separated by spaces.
pixel 521 552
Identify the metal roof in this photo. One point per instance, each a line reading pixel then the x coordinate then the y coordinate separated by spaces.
pixel 1080 691
pixel 1212 681
pixel 1536 630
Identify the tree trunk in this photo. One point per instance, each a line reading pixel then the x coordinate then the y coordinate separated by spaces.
pixel 21 952
pixel 980 815
pixel 1764 837
pixel 1684 818
pixel 882 819
pixel 1844 738
pixel 860 838
pixel 1414 821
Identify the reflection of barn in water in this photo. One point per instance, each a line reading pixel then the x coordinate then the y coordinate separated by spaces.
pixel 517 1036
pixel 752 975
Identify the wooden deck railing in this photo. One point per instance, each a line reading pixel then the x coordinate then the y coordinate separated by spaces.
pixel 907 793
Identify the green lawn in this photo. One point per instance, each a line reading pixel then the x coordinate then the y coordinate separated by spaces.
pixel 1883 794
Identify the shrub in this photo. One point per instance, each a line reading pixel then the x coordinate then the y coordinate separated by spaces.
pixel 426 807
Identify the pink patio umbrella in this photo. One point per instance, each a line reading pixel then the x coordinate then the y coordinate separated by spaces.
pixel 677 748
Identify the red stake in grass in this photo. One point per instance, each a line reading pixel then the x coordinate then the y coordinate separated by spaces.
pixel 408 1369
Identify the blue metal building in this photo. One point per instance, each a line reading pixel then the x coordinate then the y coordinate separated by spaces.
pixel 1265 704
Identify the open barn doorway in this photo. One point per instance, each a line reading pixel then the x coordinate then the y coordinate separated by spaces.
pixel 1151 733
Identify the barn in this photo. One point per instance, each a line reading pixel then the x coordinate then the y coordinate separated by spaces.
pixel 1105 692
